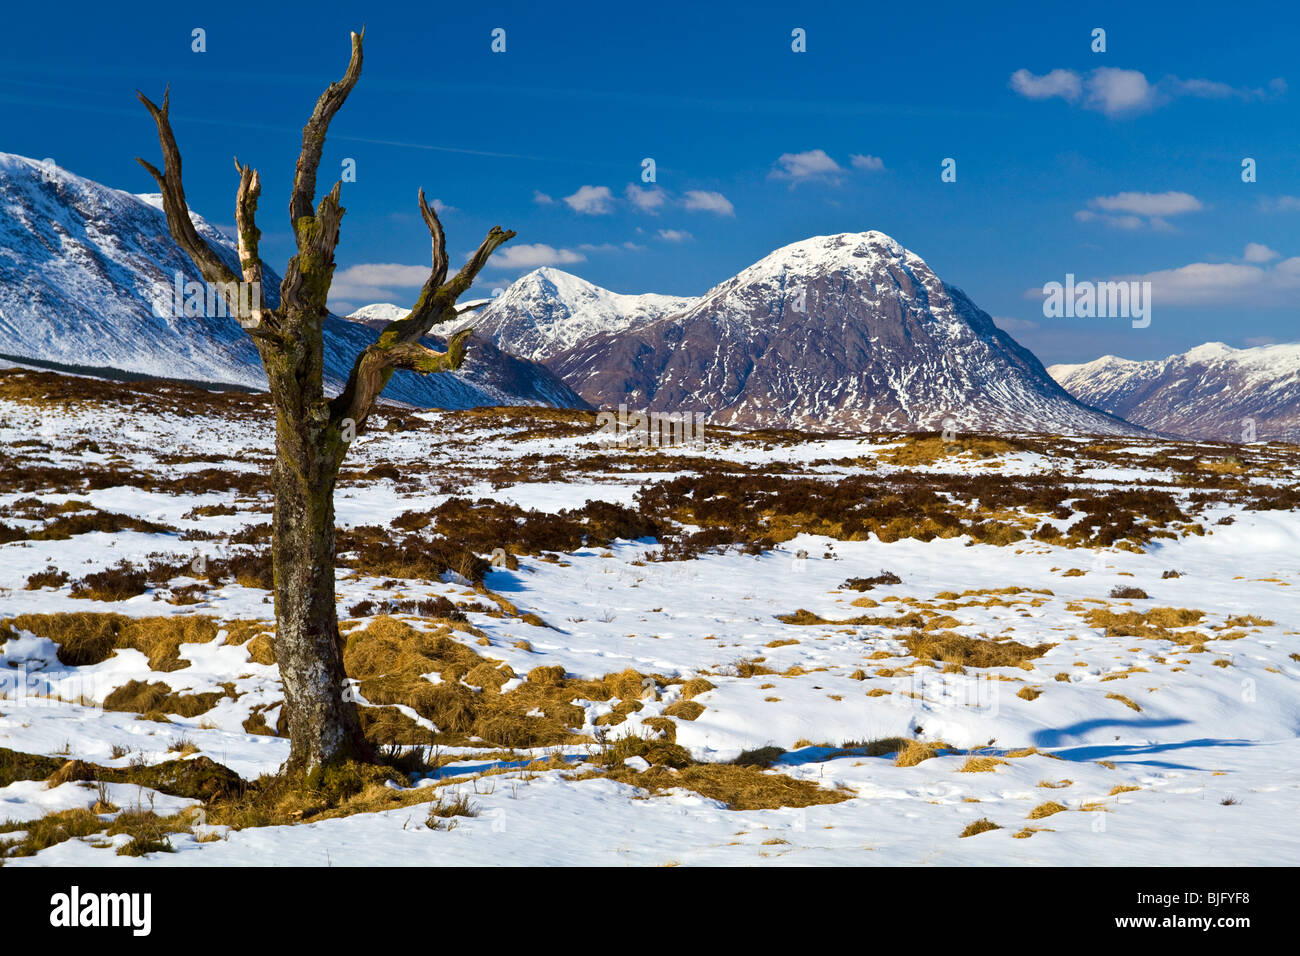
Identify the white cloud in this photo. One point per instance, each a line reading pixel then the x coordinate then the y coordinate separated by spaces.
pixel 1149 204
pixel 866 161
pixel 1133 210
pixel 376 282
pixel 1119 92
pixel 1115 222
pixel 533 255
pixel 701 200
pixel 1258 252
pixel 1225 283
pixel 812 164
pixel 647 200
pixel 441 208
pixel 542 199
pixel 675 235
pixel 1116 92
pixel 591 200
pixel 1063 83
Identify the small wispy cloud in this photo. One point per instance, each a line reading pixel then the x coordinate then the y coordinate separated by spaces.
pixel 702 200
pixel 812 164
pixel 1134 210
pixel 1258 252
pixel 532 256
pixel 1235 284
pixel 647 200
pixel 591 200
pixel 675 235
pixel 866 161
pixel 1118 92
pixel 376 282
pixel 542 199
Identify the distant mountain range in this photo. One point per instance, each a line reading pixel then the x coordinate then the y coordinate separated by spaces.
pixel 846 332
pixel 834 333
pixel 85 271
pixel 1210 392
pixel 548 311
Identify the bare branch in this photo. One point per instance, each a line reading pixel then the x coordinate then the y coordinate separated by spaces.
pixel 250 262
pixel 313 138
pixel 305 289
pixel 439 274
pixel 209 264
pixel 437 301
pixel 376 364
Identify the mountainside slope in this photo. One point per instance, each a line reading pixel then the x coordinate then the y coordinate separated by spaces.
pixel 1210 392
pixel 548 311
pixel 87 275
pixel 845 332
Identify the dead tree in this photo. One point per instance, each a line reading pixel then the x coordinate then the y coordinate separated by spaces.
pixel 312 432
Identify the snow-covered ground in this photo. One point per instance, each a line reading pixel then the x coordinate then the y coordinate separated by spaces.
pixel 1160 751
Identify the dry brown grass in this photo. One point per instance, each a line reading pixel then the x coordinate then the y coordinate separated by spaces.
pixel 1046 810
pixel 981 764
pixel 740 788
pixel 1025 833
pixel 915 751
pixel 982 825
pixel 85 638
pixel 390 659
pixel 1157 623
pixel 953 648
pixel 156 698
pixel 1126 701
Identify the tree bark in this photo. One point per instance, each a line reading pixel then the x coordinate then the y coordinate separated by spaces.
pixel 324 728
pixel 311 432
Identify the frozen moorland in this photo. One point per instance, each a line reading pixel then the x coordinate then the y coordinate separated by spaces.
pixel 756 648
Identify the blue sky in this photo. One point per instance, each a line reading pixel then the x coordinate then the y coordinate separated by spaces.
pixel 1122 163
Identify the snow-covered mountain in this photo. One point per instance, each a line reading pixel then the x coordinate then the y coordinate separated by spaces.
pixel 548 311
pixel 846 331
pixel 1211 392
pixel 85 275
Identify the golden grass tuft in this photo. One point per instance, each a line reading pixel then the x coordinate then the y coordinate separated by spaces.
pixel 88 638
pixel 982 825
pixel 981 764
pixel 1157 623
pixel 1126 701
pixel 953 648
pixel 1026 832
pixel 914 752
pixel 150 698
pixel 392 659
pixel 739 788
pixel 684 709
pixel 1046 810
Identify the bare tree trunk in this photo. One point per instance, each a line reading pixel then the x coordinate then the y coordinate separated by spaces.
pixel 324 727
